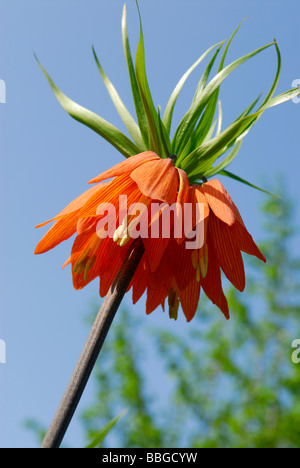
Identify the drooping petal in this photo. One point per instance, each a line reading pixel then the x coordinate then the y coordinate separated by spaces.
pixel 244 241
pixel 212 283
pixel 155 249
pixel 92 256
pixel 110 194
pixel 227 253
pixel 183 187
pixel 189 298
pixel 62 230
pixel 180 260
pixel 196 195
pixel 67 262
pixel 155 298
pixel 76 204
pixel 85 225
pixel 158 180
pixel 220 201
pixel 107 278
pixel 163 275
pixel 80 253
pixel 66 223
pixel 126 166
pixel 182 198
pixel 111 263
pixel 198 213
pixel 139 281
pixel 160 230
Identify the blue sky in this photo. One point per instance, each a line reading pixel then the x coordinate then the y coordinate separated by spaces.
pixel 47 158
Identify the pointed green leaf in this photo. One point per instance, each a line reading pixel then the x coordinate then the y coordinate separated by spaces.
pixel 206 120
pixel 187 124
pixel 269 95
pixel 220 118
pixel 210 132
pixel 281 98
pixel 249 108
pixel 141 75
pixel 104 431
pixel 125 115
pixel 276 79
pixel 138 103
pixel 166 144
pixel 202 158
pixel 215 170
pixel 201 131
pixel 204 78
pixel 167 118
pixel 209 112
pixel 239 179
pixel 105 129
pixel 252 105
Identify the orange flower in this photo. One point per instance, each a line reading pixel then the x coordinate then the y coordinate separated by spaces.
pixel 144 179
pixel 225 238
pixel 168 269
pixel 181 272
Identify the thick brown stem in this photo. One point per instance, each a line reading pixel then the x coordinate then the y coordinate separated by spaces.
pixel 92 348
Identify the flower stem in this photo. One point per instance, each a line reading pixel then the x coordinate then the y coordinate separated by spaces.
pixel 92 347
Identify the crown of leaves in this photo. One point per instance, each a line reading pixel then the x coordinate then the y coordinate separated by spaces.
pixel 199 140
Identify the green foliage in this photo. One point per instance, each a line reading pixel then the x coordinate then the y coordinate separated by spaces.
pixel 100 436
pixel 194 141
pixel 215 383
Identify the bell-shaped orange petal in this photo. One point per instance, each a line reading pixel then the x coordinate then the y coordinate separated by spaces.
pixel 155 298
pixel 182 199
pixel 158 180
pixel 183 187
pixel 163 275
pixel 155 249
pixel 189 299
pixel 244 241
pixel 110 194
pixel 183 269
pixel 112 260
pixel 62 230
pixel 220 201
pixel 199 212
pixel 85 225
pixel 227 253
pixel 76 204
pixel 126 166
pixel 139 281
pixel 212 283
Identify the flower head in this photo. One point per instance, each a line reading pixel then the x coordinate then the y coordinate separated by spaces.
pixel 190 227
pixel 105 229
